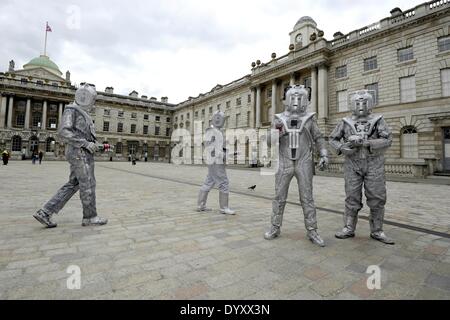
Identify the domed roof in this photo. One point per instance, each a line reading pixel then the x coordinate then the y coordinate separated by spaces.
pixel 43 62
pixel 305 19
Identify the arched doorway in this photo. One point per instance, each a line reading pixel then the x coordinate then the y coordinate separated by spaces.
pixel 34 144
pixel 16 143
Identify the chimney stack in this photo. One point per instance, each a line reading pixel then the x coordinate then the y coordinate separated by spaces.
pixel 109 90
pixel 164 99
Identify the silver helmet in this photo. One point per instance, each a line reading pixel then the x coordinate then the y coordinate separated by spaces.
pixel 85 96
pixel 361 103
pixel 296 99
pixel 218 119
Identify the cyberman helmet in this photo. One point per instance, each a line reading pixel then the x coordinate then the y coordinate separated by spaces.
pixel 85 96
pixel 361 103
pixel 296 100
pixel 218 119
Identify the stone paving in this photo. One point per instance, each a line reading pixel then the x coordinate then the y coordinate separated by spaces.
pixel 156 246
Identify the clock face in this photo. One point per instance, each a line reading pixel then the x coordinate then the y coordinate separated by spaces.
pixel 299 38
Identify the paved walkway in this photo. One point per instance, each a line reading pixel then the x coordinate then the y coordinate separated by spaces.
pixel 156 246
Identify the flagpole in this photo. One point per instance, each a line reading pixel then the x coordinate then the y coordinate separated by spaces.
pixel 45 44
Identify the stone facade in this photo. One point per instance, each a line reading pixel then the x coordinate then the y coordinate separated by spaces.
pixel 404 58
pixel 32 102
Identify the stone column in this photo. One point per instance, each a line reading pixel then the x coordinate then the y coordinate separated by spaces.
pixel 258 107
pixel 2 111
pixel 27 114
pixel 252 120
pixel 314 89
pixel 44 116
pixel 273 110
pixel 10 112
pixel 323 92
pixel 292 80
pixel 60 113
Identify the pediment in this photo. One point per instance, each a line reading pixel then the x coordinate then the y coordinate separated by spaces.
pixel 39 73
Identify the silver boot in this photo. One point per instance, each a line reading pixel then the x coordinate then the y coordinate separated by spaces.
pixel 349 228
pixel 223 203
pixel 272 233
pixel 95 221
pixel 201 202
pixel 44 218
pixel 315 238
pixel 376 227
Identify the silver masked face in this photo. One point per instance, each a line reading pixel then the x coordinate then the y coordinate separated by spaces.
pixel 361 103
pixel 85 97
pixel 296 101
pixel 218 119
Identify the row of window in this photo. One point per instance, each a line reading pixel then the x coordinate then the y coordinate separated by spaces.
pixel 120 114
pixel 210 109
pixel 106 127
pixel 407 90
pixel 404 54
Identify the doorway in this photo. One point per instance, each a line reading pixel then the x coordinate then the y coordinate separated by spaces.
pixel 446 148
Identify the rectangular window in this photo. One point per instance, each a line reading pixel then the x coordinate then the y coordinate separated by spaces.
pixel 228 104
pixel 445 82
pixel 408 89
pixel 156 131
pixel 342 101
pixel 196 114
pixel 444 43
pixel 158 118
pixel 210 109
pixel 145 130
pixel 218 106
pixel 373 89
pixel 238 119
pixel 106 112
pixel 145 116
pixel 120 114
pixel 307 82
pixel 20 119
pixel 188 116
pixel 120 127
pixel 370 64
pixel 167 132
pixel 203 112
pixel 238 101
pixel 269 93
pixel 167 119
pixel 52 123
pixel 405 54
pixel 341 72
pixel 36 121
pixel 133 128
pixel 133 115
pixel 105 126
pixel 249 98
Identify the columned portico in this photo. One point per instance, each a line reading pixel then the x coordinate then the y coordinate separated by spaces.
pixel 3 110
pixel 258 106
pixel 27 114
pixel 273 109
pixel 60 113
pixel 314 89
pixel 323 92
pixel 10 111
pixel 44 116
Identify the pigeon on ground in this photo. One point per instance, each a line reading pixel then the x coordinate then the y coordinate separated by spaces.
pixel 252 187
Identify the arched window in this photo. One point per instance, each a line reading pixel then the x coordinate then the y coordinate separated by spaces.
pixel 34 144
pixel 16 143
pixel 409 143
pixel 48 145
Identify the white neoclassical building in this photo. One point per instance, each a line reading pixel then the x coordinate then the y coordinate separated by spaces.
pixel 33 99
pixel 404 58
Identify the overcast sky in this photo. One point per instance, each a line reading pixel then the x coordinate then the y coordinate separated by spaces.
pixel 174 48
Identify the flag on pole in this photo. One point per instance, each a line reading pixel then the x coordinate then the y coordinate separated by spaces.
pixel 48 28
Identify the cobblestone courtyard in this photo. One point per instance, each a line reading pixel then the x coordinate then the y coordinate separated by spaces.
pixel 156 246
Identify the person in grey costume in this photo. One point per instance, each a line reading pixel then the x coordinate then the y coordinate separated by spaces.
pixel 217 175
pixel 78 132
pixel 299 133
pixel 363 139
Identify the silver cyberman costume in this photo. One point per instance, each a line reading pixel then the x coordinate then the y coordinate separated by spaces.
pixel 363 139
pixel 78 132
pixel 299 133
pixel 217 175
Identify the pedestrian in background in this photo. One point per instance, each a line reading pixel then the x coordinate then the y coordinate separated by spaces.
pixel 41 155
pixel 5 157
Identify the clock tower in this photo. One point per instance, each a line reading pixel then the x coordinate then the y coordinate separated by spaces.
pixel 303 29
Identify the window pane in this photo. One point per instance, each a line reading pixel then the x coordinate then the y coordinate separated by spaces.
pixel 341 72
pixel 409 144
pixel 373 89
pixel 370 64
pixel 408 89
pixel 445 82
pixel 342 101
pixel 405 54
pixel 444 43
